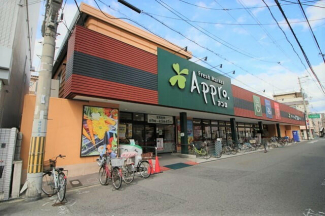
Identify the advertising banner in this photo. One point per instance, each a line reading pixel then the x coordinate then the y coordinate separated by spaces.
pixel 268 109
pixel 277 111
pixel 257 106
pixel 185 84
pixel 99 130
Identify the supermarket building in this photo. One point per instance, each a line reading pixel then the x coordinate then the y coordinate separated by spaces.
pixel 118 82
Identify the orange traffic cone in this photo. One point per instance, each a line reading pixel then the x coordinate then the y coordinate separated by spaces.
pixel 151 167
pixel 157 167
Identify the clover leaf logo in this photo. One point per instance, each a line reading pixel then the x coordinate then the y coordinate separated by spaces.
pixel 179 79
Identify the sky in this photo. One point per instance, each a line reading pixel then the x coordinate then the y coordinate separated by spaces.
pixel 242 35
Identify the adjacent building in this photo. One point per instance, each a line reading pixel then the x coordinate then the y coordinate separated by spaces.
pixel 295 100
pixel 18 27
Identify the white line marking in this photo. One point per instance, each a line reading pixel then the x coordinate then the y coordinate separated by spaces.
pixel 45 203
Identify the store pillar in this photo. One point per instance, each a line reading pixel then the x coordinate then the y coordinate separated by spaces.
pixel 184 141
pixel 260 128
pixel 278 130
pixel 233 131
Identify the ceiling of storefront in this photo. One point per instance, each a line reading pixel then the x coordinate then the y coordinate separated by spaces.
pixel 160 110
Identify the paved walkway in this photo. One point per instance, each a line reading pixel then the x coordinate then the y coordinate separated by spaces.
pixel 164 160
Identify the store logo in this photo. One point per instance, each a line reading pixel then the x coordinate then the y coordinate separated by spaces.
pixel 257 105
pixel 179 79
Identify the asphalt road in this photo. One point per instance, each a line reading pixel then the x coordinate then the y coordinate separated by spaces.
pixel 284 181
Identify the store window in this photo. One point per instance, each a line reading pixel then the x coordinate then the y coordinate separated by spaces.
pixel 125 116
pixel 138 117
pixel 197 133
pixel 207 132
pixel 215 132
pixel 138 134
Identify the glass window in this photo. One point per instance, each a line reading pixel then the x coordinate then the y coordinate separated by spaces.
pixel 207 132
pixel 207 122
pixel 196 121
pixel 197 133
pixel 221 123
pixel 125 116
pixel 241 135
pixel 215 132
pixel 241 125
pixel 138 134
pixel 248 134
pixel 214 122
pixel 138 117
pixel 222 131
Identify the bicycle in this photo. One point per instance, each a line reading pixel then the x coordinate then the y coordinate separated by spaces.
pixel 143 167
pixel 200 149
pixel 54 180
pixel 109 170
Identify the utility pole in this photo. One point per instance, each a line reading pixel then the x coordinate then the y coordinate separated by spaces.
pixel 306 111
pixel 39 129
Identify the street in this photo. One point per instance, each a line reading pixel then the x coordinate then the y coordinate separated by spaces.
pixel 284 181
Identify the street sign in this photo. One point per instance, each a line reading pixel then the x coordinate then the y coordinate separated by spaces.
pixel 314 115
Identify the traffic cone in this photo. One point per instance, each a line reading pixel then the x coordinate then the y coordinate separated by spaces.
pixel 157 167
pixel 151 167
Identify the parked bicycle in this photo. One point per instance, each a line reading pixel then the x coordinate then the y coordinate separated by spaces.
pixel 201 149
pixel 54 180
pixel 109 170
pixel 128 169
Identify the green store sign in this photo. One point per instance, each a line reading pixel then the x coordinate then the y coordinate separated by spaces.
pixel 184 84
pixel 314 116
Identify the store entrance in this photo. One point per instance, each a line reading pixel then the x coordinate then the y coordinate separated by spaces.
pixel 150 137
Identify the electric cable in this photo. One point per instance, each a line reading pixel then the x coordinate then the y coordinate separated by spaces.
pixel 311 30
pixel 302 50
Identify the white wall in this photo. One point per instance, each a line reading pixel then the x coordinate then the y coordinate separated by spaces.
pixel 15 37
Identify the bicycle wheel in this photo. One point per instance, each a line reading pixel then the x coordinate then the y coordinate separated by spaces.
pixel 116 178
pixel 62 186
pixel 128 174
pixel 102 176
pixel 48 186
pixel 144 169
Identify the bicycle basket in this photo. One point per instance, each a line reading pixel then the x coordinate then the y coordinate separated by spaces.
pixel 117 162
pixel 48 165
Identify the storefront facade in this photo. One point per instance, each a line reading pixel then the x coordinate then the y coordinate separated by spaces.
pixel 120 83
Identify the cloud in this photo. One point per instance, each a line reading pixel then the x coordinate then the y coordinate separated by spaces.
pixel 315 13
pixel 219 26
pixel 240 31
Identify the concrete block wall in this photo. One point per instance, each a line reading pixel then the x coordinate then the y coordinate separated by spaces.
pixel 8 139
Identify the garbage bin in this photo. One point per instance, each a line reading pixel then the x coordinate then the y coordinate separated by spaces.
pixel 295 136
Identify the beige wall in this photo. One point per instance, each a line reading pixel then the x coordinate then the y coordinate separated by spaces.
pixel 63 134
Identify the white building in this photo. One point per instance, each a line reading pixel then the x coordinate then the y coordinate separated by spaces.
pixel 295 100
pixel 19 19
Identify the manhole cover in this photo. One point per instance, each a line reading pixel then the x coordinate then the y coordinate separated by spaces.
pixel 75 183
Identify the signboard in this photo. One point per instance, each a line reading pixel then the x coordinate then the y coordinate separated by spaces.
pixel 277 111
pixel 160 143
pixel 257 106
pixel 184 84
pixel 314 115
pixel 99 130
pixel 295 117
pixel 159 119
pixel 268 109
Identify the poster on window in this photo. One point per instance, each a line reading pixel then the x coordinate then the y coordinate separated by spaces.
pixel 99 130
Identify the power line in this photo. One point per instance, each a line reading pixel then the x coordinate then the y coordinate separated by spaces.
pixel 302 50
pixel 224 9
pixel 303 4
pixel 284 35
pixel 233 24
pixel 311 30
pixel 262 27
pixel 223 42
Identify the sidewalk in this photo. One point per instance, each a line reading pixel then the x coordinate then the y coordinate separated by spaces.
pixel 164 160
